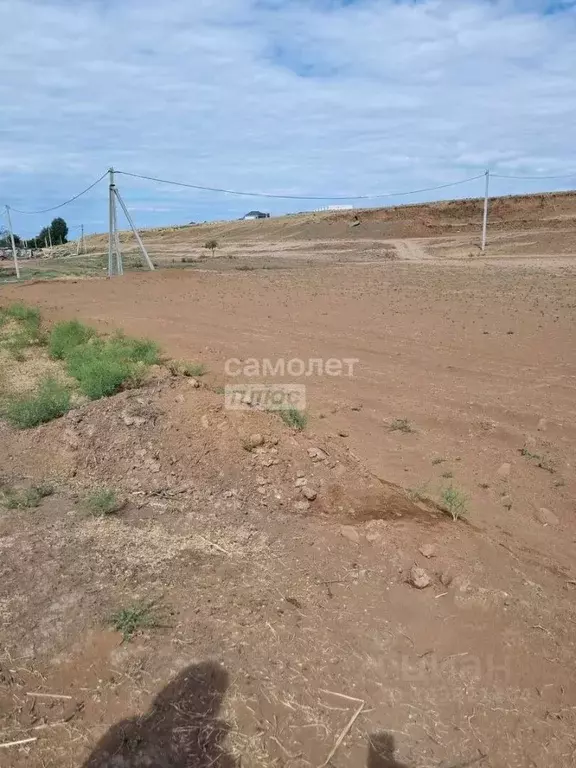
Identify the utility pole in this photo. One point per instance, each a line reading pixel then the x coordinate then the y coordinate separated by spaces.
pixel 14 254
pixel 115 266
pixel 485 220
pixel 83 243
pixel 147 258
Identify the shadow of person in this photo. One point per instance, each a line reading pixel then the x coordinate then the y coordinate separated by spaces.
pixel 181 729
pixel 381 750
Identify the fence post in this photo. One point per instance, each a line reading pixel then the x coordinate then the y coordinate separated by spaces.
pixel 485 220
pixel 14 254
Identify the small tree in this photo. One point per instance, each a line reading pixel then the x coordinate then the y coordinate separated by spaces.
pixel 42 240
pixel 211 245
pixel 59 231
pixel 6 242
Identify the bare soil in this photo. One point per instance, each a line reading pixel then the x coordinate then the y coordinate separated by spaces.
pixel 279 619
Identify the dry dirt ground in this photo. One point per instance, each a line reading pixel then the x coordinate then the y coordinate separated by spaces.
pixel 287 632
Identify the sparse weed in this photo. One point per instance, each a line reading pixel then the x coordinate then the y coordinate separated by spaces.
pixel 102 502
pixel 419 493
pixel 438 460
pixel 26 331
pixel 542 462
pixel 447 475
pixel 183 368
pixel 136 617
pixel 401 425
pixel 50 401
pixel 29 316
pixel 27 498
pixel 294 418
pixel 525 452
pixel 455 502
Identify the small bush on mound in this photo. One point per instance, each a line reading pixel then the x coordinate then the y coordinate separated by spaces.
pixel 294 418
pixel 65 337
pixel 50 401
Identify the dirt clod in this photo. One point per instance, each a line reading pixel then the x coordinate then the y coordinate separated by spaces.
pixel 427 550
pixel 419 578
pixel 350 533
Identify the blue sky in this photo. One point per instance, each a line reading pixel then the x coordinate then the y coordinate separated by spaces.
pixel 325 97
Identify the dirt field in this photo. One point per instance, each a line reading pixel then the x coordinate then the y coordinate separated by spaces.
pixel 285 622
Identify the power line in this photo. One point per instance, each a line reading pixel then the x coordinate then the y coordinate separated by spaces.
pixel 71 200
pixel 564 176
pixel 297 197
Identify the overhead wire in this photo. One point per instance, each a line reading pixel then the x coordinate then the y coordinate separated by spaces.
pixel 242 193
pixel 297 197
pixel 535 178
pixel 61 205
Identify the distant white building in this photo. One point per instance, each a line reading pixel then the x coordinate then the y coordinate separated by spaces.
pixel 336 208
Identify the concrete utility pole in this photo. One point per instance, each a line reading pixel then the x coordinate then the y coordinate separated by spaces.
pixel 147 258
pixel 485 220
pixel 14 254
pixel 114 255
pixel 115 265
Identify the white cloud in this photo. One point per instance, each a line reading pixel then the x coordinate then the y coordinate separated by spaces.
pixel 320 97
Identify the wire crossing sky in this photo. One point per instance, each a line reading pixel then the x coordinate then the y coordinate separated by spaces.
pixel 326 97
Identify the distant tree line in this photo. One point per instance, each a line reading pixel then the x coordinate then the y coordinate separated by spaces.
pixel 56 234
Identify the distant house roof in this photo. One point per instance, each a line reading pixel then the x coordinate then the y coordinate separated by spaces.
pixel 257 215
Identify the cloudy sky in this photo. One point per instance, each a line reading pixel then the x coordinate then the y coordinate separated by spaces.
pixel 312 97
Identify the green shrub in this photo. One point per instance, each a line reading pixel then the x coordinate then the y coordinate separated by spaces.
pixel 66 336
pixel 102 367
pixel 455 502
pixel 50 401
pixel 134 350
pixel 100 373
pixel 294 418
